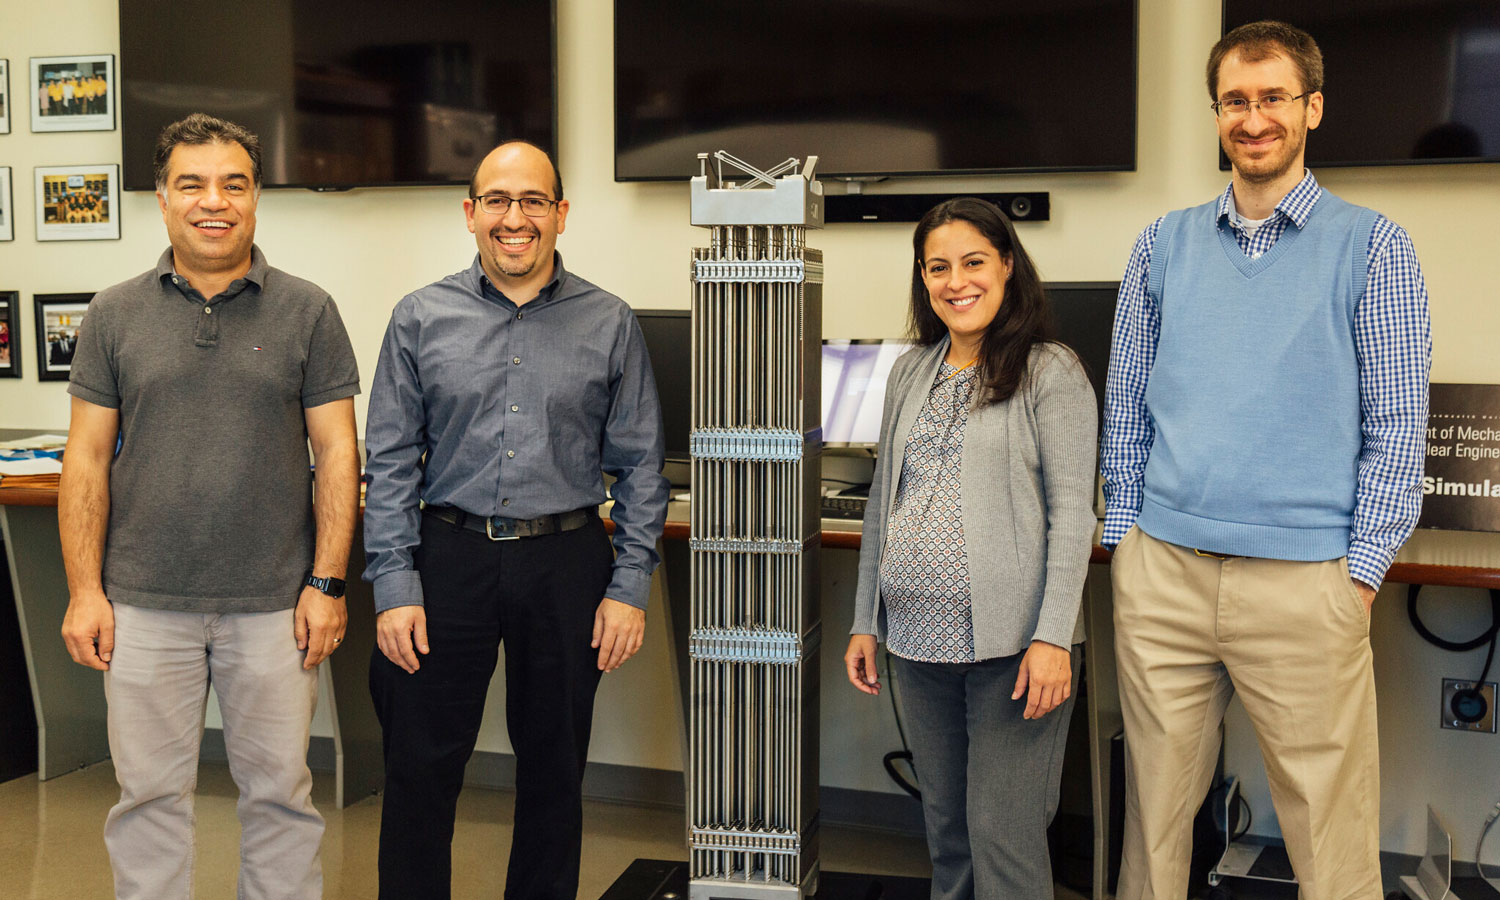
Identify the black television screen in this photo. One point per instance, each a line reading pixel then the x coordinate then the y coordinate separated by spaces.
pixel 343 93
pixel 1405 81
pixel 876 87
pixel 669 343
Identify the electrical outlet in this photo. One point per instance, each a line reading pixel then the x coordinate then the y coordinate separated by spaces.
pixel 1470 713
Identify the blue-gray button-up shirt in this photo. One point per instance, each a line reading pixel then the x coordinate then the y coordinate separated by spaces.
pixel 517 410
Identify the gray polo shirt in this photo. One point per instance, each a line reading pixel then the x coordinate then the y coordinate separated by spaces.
pixel 210 492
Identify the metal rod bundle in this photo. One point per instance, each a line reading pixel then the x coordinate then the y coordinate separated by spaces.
pixel 755 629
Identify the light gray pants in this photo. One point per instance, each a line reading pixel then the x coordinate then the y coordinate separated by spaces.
pixel 989 778
pixel 157 688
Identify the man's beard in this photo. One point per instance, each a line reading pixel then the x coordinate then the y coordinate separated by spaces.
pixel 1251 170
pixel 517 267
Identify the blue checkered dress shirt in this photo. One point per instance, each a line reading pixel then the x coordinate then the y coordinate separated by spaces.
pixel 1393 343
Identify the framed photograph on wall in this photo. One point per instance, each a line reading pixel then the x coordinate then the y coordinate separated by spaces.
pixel 4 96
pixel 10 345
pixel 73 93
pixel 78 203
pixel 58 318
pixel 7 208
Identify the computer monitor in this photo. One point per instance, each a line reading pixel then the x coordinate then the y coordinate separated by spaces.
pixel 1084 314
pixel 669 343
pixel 854 377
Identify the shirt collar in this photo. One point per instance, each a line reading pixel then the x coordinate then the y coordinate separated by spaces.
pixel 549 292
pixel 256 275
pixel 1296 206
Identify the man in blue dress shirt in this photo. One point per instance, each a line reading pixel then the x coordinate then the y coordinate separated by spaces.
pixel 1262 453
pixel 501 393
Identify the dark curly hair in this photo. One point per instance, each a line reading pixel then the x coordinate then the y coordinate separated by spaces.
pixel 198 129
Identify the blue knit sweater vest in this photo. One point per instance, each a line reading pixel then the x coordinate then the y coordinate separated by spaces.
pixel 1254 395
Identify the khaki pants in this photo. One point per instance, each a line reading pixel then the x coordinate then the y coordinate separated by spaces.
pixel 1293 640
pixel 157 689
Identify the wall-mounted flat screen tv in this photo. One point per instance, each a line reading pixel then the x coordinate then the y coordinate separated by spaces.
pixel 1405 81
pixel 343 93
pixel 876 87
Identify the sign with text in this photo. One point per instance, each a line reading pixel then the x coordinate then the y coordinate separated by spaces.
pixel 1461 487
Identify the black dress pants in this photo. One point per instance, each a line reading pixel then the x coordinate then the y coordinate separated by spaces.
pixel 538 595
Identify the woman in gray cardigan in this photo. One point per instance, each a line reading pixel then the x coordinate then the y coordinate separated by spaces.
pixel 976 542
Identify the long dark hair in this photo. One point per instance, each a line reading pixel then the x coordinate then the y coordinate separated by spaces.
pixel 1024 318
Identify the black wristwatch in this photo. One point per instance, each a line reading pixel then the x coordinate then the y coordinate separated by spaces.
pixel 333 587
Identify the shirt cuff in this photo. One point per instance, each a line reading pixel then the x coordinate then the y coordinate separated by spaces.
pixel 1368 562
pixel 1117 524
pixel 402 587
pixel 632 586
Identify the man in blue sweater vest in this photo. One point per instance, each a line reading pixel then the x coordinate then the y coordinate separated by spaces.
pixel 1264 436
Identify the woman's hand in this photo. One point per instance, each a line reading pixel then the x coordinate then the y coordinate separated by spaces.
pixel 859 663
pixel 1047 671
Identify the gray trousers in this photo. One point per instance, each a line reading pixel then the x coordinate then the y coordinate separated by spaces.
pixel 989 778
pixel 157 689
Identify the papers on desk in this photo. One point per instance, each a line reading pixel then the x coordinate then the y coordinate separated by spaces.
pixel 35 442
pixel 37 472
pixel 43 465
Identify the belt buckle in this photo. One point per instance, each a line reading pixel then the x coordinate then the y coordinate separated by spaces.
pixel 506 533
pixel 1208 554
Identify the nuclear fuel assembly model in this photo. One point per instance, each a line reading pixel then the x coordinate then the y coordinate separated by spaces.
pixel 756 439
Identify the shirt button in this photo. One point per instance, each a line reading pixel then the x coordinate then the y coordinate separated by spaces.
pixel 505 502
pixel 208 310
pixel 516 361
pixel 510 453
pixel 515 408
pixel 520 315
pixel 176 280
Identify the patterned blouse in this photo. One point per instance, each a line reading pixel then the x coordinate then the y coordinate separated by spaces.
pixel 924 571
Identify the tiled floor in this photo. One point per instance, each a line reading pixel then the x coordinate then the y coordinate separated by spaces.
pixel 51 846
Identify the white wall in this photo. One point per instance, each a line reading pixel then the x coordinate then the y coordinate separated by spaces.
pixel 368 247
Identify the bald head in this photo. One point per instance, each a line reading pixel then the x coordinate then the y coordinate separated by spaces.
pixel 512 153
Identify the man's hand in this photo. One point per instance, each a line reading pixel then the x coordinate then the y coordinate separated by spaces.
pixel 859 663
pixel 1047 670
pixel 397 630
pixel 89 630
pixel 319 624
pixel 1366 593
pixel 619 629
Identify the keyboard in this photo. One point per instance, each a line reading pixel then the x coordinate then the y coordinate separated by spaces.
pixel 839 507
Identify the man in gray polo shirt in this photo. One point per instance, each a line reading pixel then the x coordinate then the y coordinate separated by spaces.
pixel 192 551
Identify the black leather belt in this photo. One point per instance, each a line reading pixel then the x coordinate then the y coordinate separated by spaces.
pixel 499 528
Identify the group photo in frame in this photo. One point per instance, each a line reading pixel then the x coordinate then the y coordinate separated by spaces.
pixel 10 345
pixel 7 207
pixel 73 93
pixel 4 96
pixel 78 203
pixel 58 318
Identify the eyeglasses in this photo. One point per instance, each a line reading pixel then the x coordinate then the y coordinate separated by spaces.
pixel 499 204
pixel 1270 103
